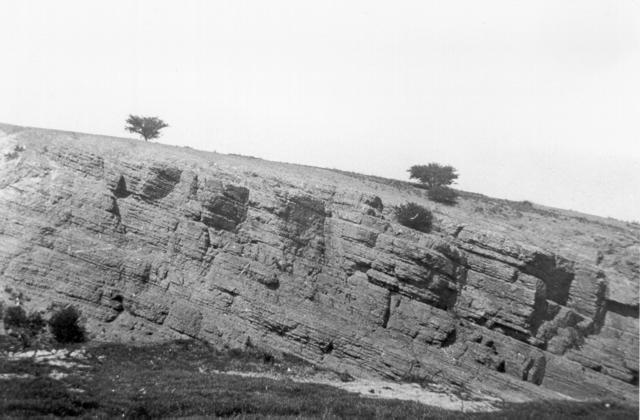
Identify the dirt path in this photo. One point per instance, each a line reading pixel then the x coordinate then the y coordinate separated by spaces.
pixel 437 396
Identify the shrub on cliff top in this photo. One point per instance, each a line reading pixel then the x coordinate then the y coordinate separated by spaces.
pixel 65 327
pixel 414 216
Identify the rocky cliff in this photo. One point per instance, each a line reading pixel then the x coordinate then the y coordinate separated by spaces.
pixel 152 241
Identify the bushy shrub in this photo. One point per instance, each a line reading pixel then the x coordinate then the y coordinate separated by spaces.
pixel 414 216
pixel 65 327
pixel 26 328
pixel 15 318
pixel 35 323
pixel 444 195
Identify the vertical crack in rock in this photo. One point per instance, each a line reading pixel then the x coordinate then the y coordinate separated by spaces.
pixel 451 338
pixel 601 308
pixel 387 311
pixel 120 189
pixel 541 312
pixel 193 188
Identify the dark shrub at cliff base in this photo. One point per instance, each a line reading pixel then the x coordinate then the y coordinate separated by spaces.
pixel 35 323
pixel 26 328
pixel 15 317
pixel 414 216
pixel 444 195
pixel 64 326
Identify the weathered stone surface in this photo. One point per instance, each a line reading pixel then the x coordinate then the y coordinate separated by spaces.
pixel 155 242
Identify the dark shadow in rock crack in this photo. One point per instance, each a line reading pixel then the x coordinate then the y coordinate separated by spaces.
pixel 161 182
pixel 630 311
pixel 120 190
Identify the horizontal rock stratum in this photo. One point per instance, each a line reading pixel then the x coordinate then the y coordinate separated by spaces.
pixel 153 241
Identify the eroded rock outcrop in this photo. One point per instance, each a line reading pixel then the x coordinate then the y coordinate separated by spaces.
pixel 152 241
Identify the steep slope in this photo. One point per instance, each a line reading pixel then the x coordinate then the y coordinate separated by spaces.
pixel 152 241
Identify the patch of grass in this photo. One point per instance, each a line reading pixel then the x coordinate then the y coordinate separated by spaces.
pixel 560 410
pixel 43 396
pixel 182 378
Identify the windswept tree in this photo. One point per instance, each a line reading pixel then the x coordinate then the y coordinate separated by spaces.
pixel 433 174
pixel 148 127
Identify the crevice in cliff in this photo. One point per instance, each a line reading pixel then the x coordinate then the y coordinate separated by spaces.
pixel 118 299
pixel 115 209
pixel 526 369
pixel 630 311
pixel 327 348
pixel 387 311
pixel 500 327
pixel 601 311
pixel 556 272
pixel 231 292
pixel 460 282
pixel 120 191
pixel 279 329
pixel 457 232
pixel 451 338
pixel 193 188
pixel 541 309
pixel 360 266
pixel 161 183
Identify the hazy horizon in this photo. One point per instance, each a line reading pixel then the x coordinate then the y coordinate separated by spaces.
pixel 536 101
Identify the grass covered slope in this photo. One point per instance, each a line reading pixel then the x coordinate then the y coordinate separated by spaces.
pixel 186 378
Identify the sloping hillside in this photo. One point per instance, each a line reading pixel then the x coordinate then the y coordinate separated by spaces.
pixel 153 242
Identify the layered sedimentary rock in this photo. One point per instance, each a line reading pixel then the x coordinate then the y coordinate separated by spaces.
pixel 152 241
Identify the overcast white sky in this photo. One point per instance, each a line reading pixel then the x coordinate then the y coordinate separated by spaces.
pixel 535 100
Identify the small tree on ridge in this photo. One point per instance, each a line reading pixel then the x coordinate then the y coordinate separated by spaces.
pixel 433 174
pixel 148 127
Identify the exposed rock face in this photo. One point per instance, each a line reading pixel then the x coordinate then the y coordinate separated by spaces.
pixel 152 241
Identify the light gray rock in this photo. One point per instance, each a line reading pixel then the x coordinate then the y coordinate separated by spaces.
pixel 165 242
